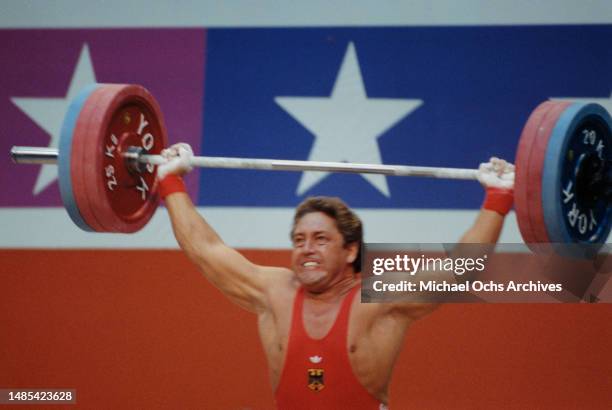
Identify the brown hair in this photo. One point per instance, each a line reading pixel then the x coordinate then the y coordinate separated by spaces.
pixel 347 222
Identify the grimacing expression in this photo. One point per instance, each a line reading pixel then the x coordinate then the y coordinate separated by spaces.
pixel 319 254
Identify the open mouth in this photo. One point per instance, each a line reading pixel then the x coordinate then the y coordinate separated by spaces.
pixel 310 264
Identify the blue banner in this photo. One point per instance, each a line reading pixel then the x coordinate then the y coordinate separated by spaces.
pixel 431 96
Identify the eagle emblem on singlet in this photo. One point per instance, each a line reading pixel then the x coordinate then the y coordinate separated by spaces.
pixel 315 379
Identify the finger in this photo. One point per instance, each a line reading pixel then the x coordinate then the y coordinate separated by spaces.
pixel 186 147
pixel 166 153
pixel 486 167
pixel 184 153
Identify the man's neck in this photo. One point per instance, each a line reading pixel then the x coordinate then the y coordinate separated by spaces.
pixel 335 291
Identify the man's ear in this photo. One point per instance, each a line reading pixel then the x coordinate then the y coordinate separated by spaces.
pixel 353 249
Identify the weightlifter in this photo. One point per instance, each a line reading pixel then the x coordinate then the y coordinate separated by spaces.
pixel 325 349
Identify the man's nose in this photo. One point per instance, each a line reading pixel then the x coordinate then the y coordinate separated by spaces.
pixel 309 246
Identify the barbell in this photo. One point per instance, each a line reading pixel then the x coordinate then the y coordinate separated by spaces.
pixel 112 136
pixel 136 157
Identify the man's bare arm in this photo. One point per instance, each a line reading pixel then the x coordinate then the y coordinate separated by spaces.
pixel 485 230
pixel 497 176
pixel 241 280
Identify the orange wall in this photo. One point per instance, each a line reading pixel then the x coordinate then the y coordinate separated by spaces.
pixel 143 329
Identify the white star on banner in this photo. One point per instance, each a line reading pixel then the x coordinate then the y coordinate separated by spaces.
pixel 347 124
pixel 48 113
pixel 605 102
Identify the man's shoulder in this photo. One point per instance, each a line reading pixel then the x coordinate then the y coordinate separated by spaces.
pixel 281 288
pixel 279 281
pixel 277 275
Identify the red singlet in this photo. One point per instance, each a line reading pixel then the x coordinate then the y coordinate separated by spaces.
pixel 317 373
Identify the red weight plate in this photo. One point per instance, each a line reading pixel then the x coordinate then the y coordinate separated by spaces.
pixel 536 170
pixel 122 115
pixel 523 156
pixel 96 130
pixel 80 139
pixel 125 115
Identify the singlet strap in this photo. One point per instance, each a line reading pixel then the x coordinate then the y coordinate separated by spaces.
pixel 340 327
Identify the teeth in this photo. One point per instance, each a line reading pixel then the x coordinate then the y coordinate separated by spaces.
pixel 308 264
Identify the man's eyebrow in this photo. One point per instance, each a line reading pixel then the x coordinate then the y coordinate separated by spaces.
pixel 321 231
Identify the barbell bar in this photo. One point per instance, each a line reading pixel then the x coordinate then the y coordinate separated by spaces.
pixel 37 155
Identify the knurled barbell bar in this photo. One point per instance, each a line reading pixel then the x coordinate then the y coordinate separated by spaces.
pixel 135 156
pixel 112 136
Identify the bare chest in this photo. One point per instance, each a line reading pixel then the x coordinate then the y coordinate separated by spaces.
pixel 318 320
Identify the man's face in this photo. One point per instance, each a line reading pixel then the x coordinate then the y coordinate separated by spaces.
pixel 319 256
